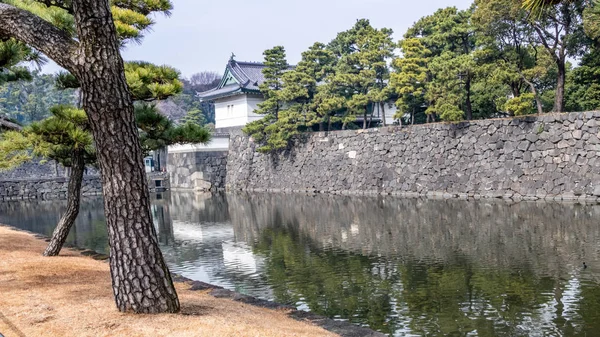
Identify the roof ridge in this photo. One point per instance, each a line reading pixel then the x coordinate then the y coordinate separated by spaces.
pixel 251 63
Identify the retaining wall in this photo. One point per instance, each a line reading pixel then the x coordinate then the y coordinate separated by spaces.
pixel 46 188
pixel 200 170
pixel 553 156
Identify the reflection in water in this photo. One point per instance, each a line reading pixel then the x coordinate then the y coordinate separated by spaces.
pixel 41 216
pixel 402 266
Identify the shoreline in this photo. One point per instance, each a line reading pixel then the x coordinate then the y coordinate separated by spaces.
pixel 311 321
pixel 429 195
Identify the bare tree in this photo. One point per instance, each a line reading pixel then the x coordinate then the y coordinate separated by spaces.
pixel 202 81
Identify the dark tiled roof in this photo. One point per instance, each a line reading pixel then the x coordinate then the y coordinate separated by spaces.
pixel 220 92
pixel 248 75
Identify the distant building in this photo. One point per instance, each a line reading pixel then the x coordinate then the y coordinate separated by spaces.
pixel 237 96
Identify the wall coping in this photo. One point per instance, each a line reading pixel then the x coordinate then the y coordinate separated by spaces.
pixel 516 120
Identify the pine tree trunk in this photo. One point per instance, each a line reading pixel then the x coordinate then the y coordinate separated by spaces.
pixel 365 119
pixel 382 105
pixel 59 236
pixel 560 86
pixel 141 281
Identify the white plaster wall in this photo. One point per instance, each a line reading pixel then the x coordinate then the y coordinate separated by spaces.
pixel 238 116
pixel 390 111
pixel 253 102
pixel 216 144
pixel 241 114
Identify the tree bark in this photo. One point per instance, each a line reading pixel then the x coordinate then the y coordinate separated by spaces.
pixel 365 119
pixel 559 99
pixel 40 34
pixel 141 281
pixel 382 105
pixel 538 101
pixel 59 236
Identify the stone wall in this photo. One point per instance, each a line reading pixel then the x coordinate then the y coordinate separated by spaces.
pixel 34 170
pixel 41 169
pixel 554 156
pixel 45 188
pixel 200 170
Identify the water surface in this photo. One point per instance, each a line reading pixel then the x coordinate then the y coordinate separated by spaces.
pixel 407 267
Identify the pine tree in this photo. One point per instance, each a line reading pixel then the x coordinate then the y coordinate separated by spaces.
pixel 195 117
pixel 361 72
pixel 275 66
pixel 80 36
pixel 65 137
pixel 13 57
pixel 410 77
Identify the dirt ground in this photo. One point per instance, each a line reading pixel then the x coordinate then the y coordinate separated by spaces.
pixel 70 295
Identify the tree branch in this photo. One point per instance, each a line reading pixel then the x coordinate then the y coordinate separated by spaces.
pixel 39 34
pixel 540 34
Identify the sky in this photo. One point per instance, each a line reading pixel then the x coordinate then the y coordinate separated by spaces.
pixel 201 35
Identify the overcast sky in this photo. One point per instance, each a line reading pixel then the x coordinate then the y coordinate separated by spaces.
pixel 201 35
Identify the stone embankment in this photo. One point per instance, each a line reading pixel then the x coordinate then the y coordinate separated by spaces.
pixel 197 171
pixel 553 156
pixel 45 188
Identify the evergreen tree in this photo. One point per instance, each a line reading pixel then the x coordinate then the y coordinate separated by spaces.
pixel 583 84
pixel 450 38
pixel 361 72
pixel 559 29
pixel 275 66
pixel 301 85
pixel 65 137
pixel 195 117
pixel 297 94
pixel 410 77
pixel 80 36
pixel 504 37
pixel 13 56
pixel 28 101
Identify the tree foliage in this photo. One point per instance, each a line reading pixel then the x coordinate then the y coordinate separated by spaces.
pixel 496 58
pixel 268 130
pixel 14 56
pixel 332 83
pixel 28 101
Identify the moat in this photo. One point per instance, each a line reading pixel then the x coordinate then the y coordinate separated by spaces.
pixel 407 267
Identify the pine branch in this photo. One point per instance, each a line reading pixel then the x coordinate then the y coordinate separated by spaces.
pixel 39 34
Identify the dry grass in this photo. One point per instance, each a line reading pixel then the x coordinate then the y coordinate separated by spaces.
pixel 70 295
